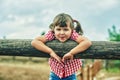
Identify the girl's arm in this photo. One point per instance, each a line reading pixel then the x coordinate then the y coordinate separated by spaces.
pixel 39 43
pixel 83 44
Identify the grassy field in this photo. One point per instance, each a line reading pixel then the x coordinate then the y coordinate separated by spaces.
pixel 36 69
pixel 16 70
pixel 11 72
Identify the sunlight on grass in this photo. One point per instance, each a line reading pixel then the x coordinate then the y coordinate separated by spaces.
pixel 13 70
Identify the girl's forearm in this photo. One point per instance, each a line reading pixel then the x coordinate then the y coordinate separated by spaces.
pixel 41 46
pixel 81 47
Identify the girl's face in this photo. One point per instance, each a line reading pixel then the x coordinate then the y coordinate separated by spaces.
pixel 63 33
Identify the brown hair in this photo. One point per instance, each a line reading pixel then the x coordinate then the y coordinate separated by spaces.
pixel 61 20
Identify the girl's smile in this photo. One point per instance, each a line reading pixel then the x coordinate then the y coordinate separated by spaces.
pixel 62 39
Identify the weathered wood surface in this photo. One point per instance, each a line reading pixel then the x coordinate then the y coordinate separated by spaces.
pixel 98 50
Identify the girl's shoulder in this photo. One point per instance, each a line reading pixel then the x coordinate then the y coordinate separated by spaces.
pixel 74 35
pixel 49 35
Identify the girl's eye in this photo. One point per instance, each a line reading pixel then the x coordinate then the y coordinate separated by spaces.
pixel 58 29
pixel 66 29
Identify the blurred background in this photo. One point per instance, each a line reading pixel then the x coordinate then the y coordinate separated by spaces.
pixel 26 19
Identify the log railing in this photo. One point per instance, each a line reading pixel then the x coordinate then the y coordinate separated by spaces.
pixel 22 47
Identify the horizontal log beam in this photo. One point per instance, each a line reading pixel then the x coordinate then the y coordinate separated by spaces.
pixel 22 47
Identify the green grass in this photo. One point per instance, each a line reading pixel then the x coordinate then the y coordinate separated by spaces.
pixel 114 70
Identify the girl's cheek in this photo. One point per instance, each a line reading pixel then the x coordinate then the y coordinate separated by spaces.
pixel 56 34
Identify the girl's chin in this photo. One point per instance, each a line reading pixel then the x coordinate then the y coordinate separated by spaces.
pixel 62 40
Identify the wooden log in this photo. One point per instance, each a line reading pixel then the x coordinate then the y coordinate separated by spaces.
pixel 22 47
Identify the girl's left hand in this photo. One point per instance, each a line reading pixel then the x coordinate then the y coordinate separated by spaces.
pixel 67 56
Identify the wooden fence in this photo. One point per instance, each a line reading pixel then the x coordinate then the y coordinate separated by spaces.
pixel 98 50
pixel 22 47
pixel 89 72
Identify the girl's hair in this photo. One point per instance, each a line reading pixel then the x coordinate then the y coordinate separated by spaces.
pixel 61 20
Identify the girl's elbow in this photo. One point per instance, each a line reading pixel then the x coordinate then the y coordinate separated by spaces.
pixel 89 43
pixel 33 43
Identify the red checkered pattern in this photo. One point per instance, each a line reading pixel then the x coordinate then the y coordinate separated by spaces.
pixel 49 36
pixel 74 35
pixel 68 67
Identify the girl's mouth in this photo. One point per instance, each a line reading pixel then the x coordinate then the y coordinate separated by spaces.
pixel 62 38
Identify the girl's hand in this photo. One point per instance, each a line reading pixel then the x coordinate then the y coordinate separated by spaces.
pixel 67 56
pixel 52 54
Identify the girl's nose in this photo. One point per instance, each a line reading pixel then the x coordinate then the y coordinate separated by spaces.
pixel 61 32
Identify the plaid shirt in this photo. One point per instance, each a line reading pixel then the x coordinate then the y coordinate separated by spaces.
pixel 65 68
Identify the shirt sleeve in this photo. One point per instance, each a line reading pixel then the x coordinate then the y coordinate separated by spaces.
pixel 49 36
pixel 74 35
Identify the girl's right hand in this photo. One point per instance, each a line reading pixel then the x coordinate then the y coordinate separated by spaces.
pixel 52 54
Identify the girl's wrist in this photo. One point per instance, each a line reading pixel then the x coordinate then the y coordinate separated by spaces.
pixel 51 52
pixel 70 53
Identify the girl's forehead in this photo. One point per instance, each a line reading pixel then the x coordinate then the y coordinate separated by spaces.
pixel 62 27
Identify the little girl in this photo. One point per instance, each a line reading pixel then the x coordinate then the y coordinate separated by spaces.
pixel 62 28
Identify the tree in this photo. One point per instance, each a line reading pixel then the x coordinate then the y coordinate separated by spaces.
pixel 113 34
pixel 43 33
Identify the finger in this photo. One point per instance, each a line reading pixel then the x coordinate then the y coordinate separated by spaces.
pixel 59 59
pixel 71 58
pixel 63 59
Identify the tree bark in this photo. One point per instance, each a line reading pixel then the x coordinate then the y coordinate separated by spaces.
pixel 98 50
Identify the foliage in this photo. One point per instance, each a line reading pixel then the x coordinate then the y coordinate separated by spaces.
pixel 43 33
pixel 113 34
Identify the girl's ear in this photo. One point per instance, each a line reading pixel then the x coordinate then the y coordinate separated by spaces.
pixel 52 30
